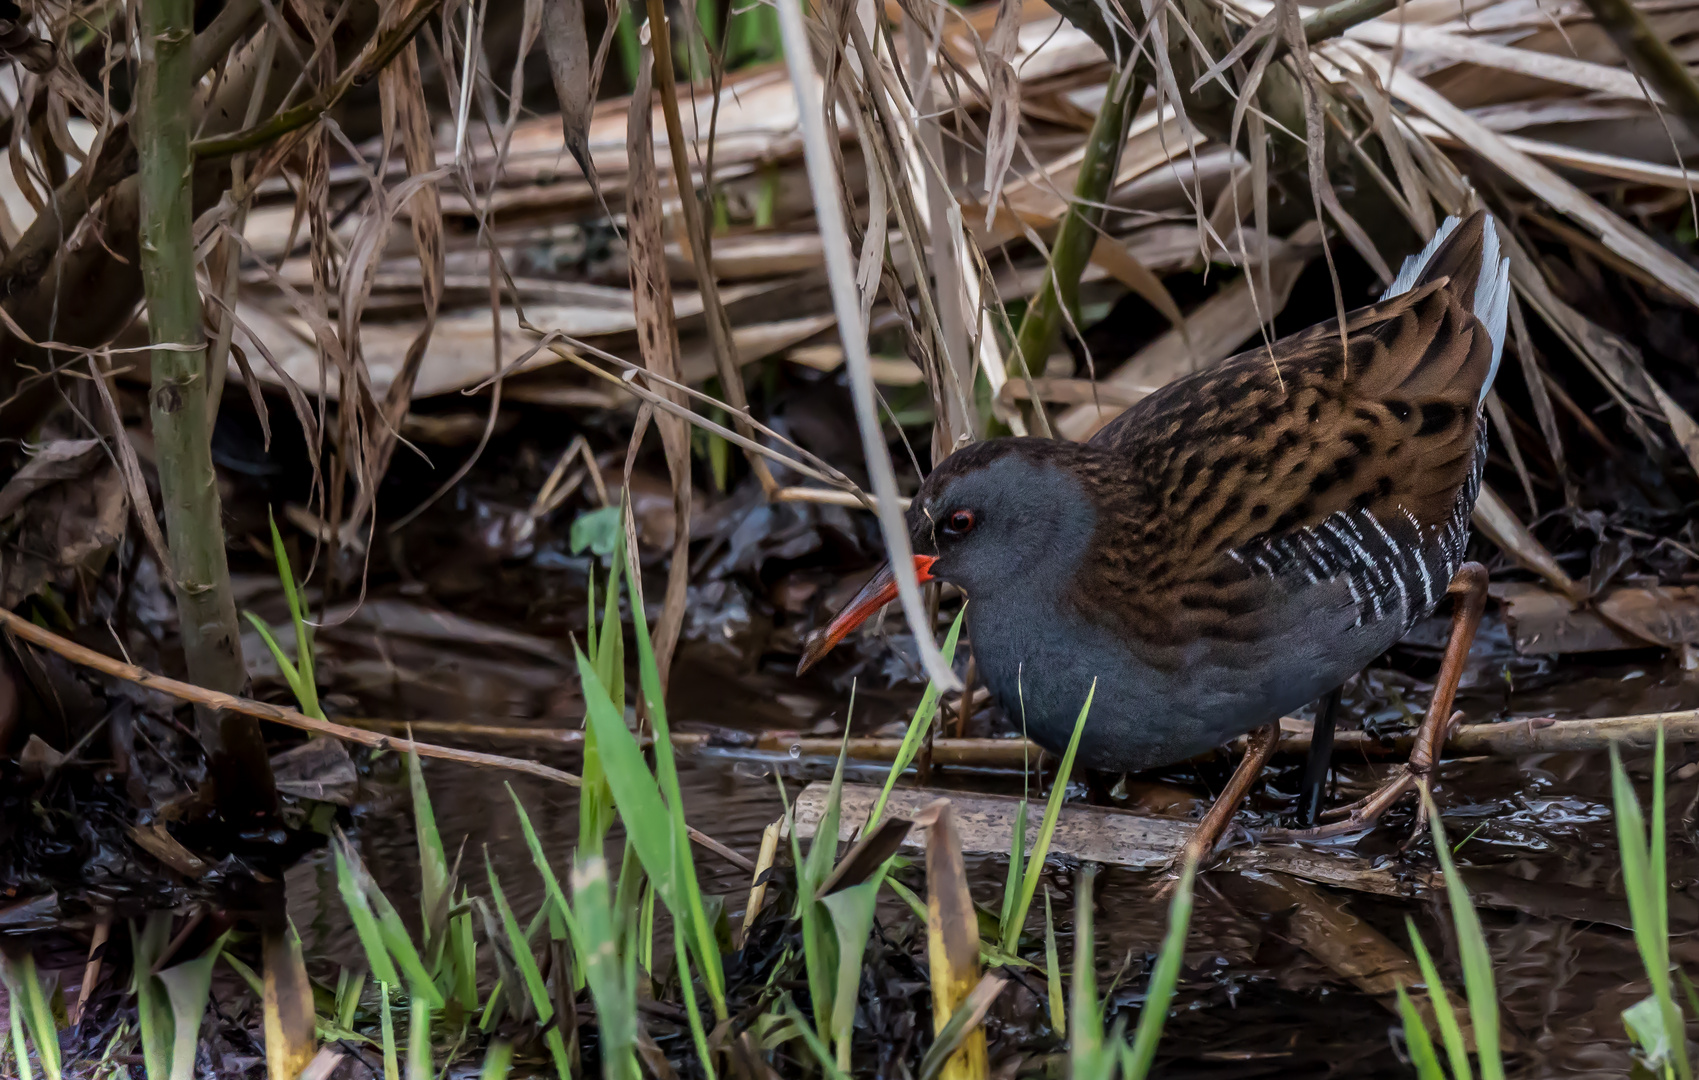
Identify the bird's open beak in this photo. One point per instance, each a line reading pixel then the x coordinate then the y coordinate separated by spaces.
pixel 880 590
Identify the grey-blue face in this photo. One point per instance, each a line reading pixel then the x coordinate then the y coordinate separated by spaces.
pixel 1001 517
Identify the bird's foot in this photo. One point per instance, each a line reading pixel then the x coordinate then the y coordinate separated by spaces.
pixel 1201 845
pixel 1362 814
pixel 1470 588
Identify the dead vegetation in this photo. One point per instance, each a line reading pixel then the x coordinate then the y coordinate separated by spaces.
pixel 419 277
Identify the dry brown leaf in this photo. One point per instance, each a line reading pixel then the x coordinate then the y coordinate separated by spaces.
pixel 568 46
pixel 1498 524
pixel 1560 194
pixel 135 485
pixel 402 98
pixel 1004 87
pixel 657 335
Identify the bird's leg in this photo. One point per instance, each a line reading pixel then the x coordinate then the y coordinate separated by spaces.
pixel 1258 749
pixel 1470 589
pixel 1320 760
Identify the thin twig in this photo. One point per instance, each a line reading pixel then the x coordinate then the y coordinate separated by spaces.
pixel 278 714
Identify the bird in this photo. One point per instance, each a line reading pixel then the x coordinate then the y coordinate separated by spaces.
pixel 1236 544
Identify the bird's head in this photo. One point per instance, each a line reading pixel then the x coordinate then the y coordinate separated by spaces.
pixel 1003 514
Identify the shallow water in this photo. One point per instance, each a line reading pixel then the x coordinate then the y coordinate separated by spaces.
pixel 1535 833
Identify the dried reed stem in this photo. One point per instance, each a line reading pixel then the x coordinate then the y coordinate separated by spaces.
pixel 1650 56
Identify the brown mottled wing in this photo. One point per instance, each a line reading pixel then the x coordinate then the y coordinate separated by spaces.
pixel 1274 442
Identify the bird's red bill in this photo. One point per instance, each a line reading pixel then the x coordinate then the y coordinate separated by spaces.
pixel 880 590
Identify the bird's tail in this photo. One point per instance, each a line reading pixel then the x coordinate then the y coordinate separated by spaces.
pixel 1466 250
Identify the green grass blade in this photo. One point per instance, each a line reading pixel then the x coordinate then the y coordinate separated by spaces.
pixel 823 849
pixel 187 986
pixel 814 1043
pixel 1012 882
pixel 38 1019
pixel 1046 830
pixel 1472 952
pixel 498 1061
pixel 628 909
pixel 1136 1061
pixel 391 1063
pixel 591 642
pixel 435 889
pixel 1689 991
pixel 1416 1040
pixel 915 735
pixel 551 884
pixel 819 944
pixel 464 948
pixel 20 1049
pixel 308 692
pixel 153 1008
pixel 614 997
pixel 1053 971
pixel 520 944
pixel 365 923
pixel 29 1012
pixel 852 917
pixel 419 1065
pixel 390 929
pixel 349 987
pixel 1645 880
pixel 693 1013
pixel 646 930
pixel 1658 880
pixel 557 1050
pixel 666 776
pixel 607 646
pixel 1657 877
pixel 610 656
pixel 1636 874
pixel 648 823
pixel 907 896
pixel 1450 1032
pixel 248 974
pixel 1085 1019
pixel 290 674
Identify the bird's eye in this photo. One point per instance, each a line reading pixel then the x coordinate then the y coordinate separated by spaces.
pixel 960 522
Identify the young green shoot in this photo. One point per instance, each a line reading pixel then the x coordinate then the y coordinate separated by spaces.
pixel 915 734
pixel 1472 951
pixel 1656 1023
pixel 298 674
pixel 1136 1059
pixel 1046 830
pixel 29 1009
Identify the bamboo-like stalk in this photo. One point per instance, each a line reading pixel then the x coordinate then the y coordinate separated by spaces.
pixel 206 610
pixel 1076 237
pixel 1650 56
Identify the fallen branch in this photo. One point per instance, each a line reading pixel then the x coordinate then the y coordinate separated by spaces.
pixel 277 714
pixel 1535 735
